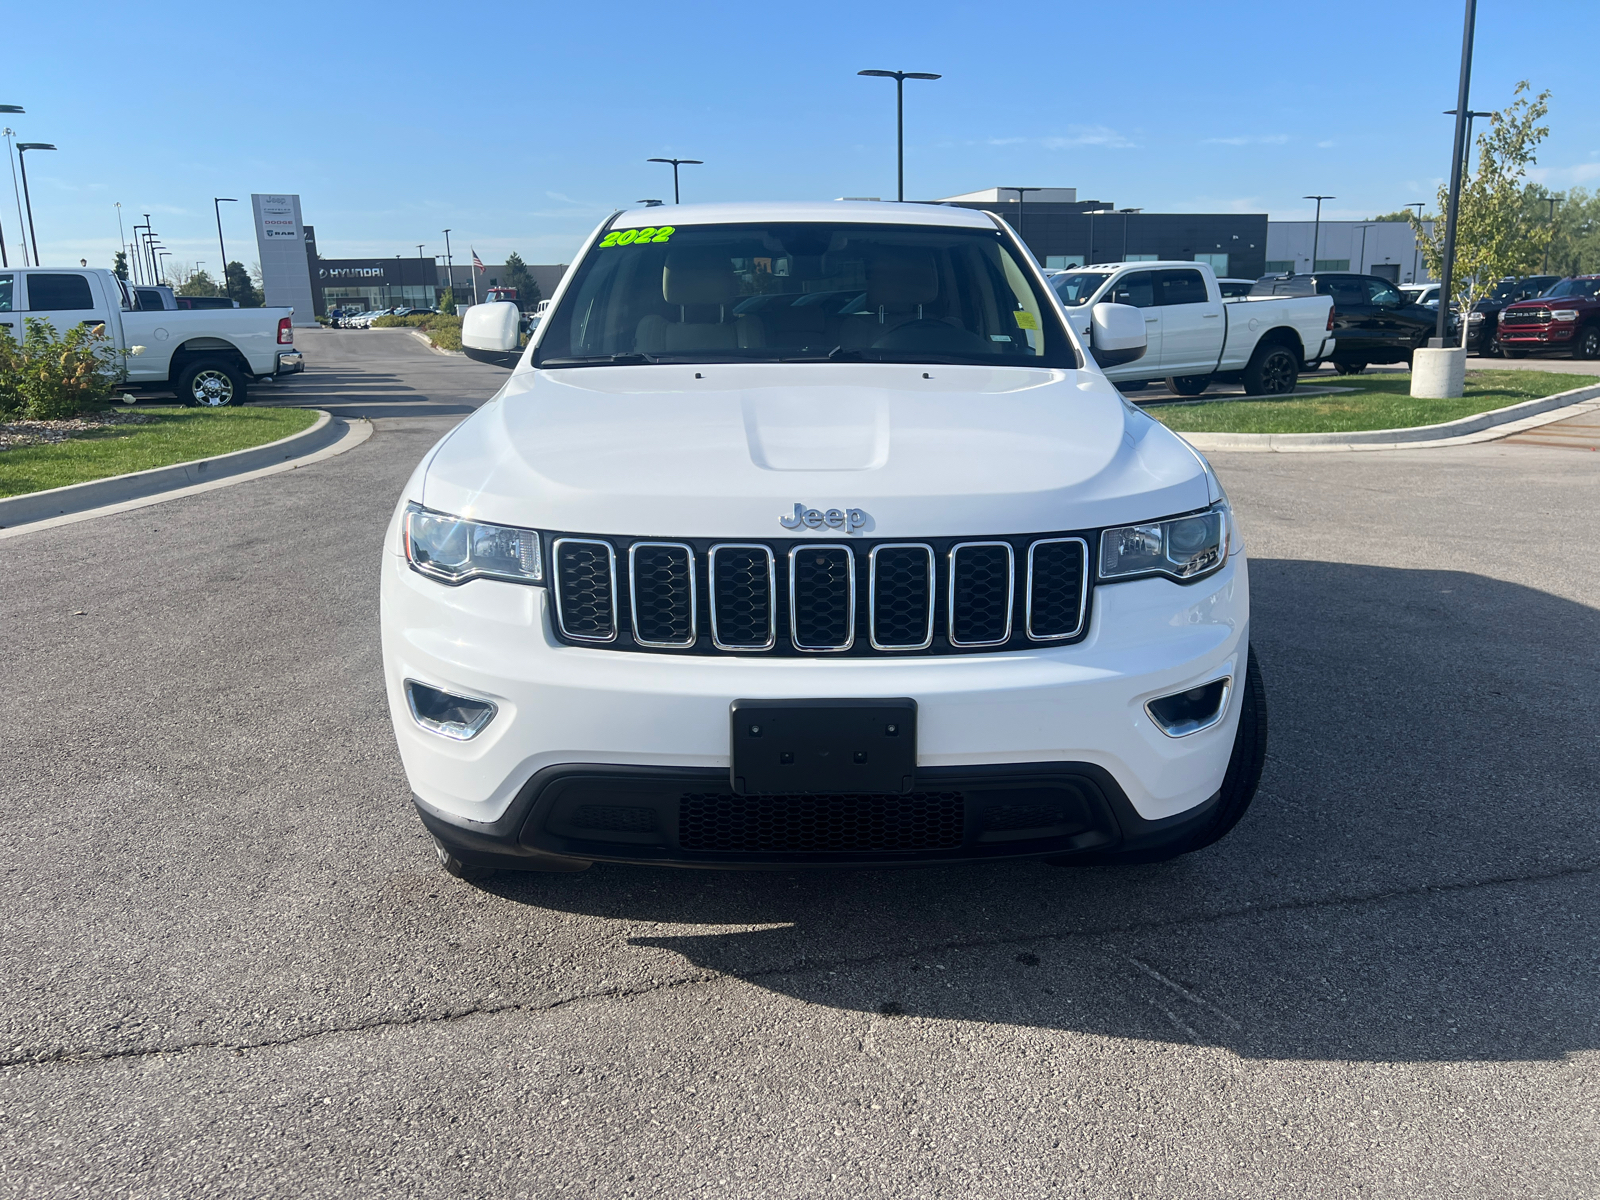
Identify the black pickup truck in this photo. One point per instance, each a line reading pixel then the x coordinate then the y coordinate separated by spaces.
pixel 1483 322
pixel 1372 321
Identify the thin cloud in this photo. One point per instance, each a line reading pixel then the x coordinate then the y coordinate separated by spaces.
pixel 1265 139
pixel 1326 145
pixel 1560 176
pixel 1090 135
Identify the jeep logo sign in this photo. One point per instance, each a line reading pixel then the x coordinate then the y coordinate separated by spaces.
pixel 850 519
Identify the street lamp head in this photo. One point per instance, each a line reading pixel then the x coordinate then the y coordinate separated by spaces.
pixel 223 200
pixel 678 161
pixel 34 146
pixel 12 108
pixel 901 74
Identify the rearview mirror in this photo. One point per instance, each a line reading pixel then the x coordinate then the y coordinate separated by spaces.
pixel 1117 334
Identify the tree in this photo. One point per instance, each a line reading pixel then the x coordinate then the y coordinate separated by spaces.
pixel 240 287
pixel 447 301
pixel 519 277
pixel 1575 232
pixel 119 266
pixel 1495 236
pixel 199 283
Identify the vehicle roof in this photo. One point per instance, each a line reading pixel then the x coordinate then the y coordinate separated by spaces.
pixel 850 211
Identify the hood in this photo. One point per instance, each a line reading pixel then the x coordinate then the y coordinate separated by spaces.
pixel 726 450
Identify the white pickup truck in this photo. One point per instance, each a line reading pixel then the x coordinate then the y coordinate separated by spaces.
pixel 209 356
pixel 1195 335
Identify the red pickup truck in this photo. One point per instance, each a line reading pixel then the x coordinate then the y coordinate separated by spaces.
pixel 1567 317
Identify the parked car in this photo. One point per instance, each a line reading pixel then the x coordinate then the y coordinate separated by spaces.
pixel 1195 336
pixel 1426 294
pixel 1372 322
pixel 209 356
pixel 1483 322
pixel 899 579
pixel 1232 289
pixel 1566 317
pixel 193 302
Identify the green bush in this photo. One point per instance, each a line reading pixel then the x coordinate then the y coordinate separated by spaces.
pixel 49 376
pixel 444 331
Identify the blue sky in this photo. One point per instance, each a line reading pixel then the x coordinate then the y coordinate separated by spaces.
pixel 521 125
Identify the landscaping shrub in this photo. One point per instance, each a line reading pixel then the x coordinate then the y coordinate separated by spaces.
pixel 49 376
pixel 444 331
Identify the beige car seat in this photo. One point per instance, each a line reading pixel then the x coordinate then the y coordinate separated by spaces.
pixel 900 284
pixel 703 286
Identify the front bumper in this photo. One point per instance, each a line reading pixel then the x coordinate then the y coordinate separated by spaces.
pixel 571 720
pixel 1537 337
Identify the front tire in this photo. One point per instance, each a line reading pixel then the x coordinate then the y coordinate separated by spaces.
pixel 1188 385
pixel 212 383
pixel 1587 343
pixel 1273 371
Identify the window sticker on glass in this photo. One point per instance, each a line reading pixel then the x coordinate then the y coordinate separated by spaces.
pixel 637 237
pixel 1025 319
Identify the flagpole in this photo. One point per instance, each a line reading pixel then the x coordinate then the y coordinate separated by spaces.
pixel 475 272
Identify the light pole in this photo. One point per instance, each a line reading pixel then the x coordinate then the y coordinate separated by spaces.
pixel 22 148
pixel 1416 242
pixel 422 271
pixel 1092 214
pixel 149 237
pixel 136 255
pixel 1126 213
pixel 1020 198
pixel 1450 112
pixel 900 78
pixel 449 265
pixel 1361 263
pixel 1457 155
pixel 122 236
pixel 1316 229
pixel 676 163
pixel 216 204
pixel 1552 201
pixel 160 254
pixel 4 261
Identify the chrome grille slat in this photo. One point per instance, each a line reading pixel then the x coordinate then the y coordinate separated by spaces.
pixel 901 575
pixel 744 596
pixel 664 573
pixel 586 599
pixel 1057 588
pixel 822 598
pixel 977 570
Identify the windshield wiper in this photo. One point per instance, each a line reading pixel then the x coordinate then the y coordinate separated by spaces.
pixel 599 360
pixel 837 354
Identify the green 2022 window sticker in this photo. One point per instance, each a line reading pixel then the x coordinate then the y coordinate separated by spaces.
pixel 637 237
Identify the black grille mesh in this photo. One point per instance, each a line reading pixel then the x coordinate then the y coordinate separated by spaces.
pixel 999 817
pixel 583 574
pixel 903 596
pixel 743 596
pixel 662 595
pixel 614 818
pixel 823 611
pixel 820 823
pixel 1057 597
pixel 1525 316
pixel 982 585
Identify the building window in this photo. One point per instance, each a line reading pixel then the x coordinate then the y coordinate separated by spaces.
pixel 1141 258
pixel 1063 262
pixel 1333 264
pixel 1280 266
pixel 1217 262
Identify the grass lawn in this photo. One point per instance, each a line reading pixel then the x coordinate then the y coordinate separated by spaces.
pixel 176 435
pixel 1382 403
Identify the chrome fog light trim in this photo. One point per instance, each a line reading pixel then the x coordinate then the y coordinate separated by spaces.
pixel 1192 710
pixel 459 718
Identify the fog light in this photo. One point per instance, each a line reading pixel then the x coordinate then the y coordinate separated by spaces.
pixel 1191 710
pixel 459 718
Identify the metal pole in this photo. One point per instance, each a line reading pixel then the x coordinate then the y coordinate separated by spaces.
pixel 1316 229
pixel 422 271
pixel 21 226
pixel 217 203
pixel 150 237
pixel 1361 263
pixel 1458 153
pixel 1552 201
pixel 675 199
pixel 1416 242
pixel 122 236
pixel 900 137
pixel 28 200
pixel 449 264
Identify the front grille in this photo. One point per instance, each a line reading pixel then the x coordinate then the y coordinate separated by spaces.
pixel 614 818
pixel 820 823
pixel 797 597
pixel 1525 316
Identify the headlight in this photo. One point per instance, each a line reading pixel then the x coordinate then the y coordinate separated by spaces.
pixel 452 550
pixel 1183 548
pixel 1564 314
pixel 1473 318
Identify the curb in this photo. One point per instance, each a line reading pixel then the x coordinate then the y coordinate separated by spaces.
pixel 1480 427
pixel 426 341
pixel 79 501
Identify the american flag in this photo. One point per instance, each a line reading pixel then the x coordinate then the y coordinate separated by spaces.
pixel 477 262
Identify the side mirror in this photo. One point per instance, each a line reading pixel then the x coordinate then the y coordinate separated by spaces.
pixel 491 333
pixel 1116 334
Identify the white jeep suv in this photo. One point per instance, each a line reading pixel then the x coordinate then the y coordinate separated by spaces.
pixel 811 534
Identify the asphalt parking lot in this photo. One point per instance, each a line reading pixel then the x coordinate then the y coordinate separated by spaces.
pixel 231 967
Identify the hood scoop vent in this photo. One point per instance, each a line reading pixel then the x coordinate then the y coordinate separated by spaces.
pixel 817 429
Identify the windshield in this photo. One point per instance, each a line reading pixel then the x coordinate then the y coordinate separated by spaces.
pixel 1075 287
pixel 1574 287
pixel 804 292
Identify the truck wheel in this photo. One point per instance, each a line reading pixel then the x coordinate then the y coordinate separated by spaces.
pixel 1587 343
pixel 211 383
pixel 1239 784
pixel 1188 385
pixel 1352 368
pixel 1273 371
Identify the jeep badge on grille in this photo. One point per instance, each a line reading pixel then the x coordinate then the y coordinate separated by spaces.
pixel 851 519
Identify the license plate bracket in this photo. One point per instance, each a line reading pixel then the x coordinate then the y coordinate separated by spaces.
pixel 849 746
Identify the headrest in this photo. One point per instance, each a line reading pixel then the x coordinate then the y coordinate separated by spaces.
pixel 901 279
pixel 699 277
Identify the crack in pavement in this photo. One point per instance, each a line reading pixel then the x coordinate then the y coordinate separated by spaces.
pixel 1248 909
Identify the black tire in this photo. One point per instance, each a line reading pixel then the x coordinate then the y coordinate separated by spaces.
pixel 1239 784
pixel 1587 343
pixel 1273 371
pixel 212 383
pixel 1353 368
pixel 1188 385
